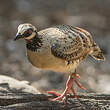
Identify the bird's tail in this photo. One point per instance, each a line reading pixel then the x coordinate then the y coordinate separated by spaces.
pixel 97 53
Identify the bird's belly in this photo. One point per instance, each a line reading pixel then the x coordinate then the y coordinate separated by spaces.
pixel 46 61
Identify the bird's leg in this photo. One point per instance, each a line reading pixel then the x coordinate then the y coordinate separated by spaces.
pixel 75 77
pixel 79 85
pixel 73 91
pixel 69 86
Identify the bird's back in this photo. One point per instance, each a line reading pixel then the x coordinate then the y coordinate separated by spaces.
pixel 64 45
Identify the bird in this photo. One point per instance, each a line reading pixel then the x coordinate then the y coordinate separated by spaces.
pixel 60 48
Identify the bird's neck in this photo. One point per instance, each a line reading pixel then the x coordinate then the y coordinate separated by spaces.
pixel 35 43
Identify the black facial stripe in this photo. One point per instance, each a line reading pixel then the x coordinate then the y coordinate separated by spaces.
pixel 27 33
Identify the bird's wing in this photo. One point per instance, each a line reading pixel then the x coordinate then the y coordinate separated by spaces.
pixel 73 45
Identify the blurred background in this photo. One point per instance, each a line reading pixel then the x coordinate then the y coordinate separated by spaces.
pixel 92 15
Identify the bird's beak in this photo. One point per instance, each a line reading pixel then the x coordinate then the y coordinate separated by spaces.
pixel 18 36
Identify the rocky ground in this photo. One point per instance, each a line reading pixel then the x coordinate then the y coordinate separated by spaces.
pixel 91 15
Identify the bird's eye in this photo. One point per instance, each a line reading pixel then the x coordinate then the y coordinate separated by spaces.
pixel 28 33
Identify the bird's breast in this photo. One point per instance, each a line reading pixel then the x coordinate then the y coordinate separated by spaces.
pixel 45 60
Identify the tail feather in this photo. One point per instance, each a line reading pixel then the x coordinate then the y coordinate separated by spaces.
pixel 97 53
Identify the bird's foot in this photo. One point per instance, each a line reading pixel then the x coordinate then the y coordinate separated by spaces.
pixel 69 86
pixel 58 96
pixel 61 96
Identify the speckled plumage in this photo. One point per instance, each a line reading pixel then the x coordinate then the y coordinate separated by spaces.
pixel 60 48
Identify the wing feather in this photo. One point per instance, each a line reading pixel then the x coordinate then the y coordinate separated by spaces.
pixel 70 47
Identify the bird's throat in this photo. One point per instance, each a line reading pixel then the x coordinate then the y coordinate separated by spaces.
pixel 34 44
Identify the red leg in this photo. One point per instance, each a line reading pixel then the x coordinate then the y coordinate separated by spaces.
pixel 73 91
pixel 79 85
pixel 71 79
pixel 68 86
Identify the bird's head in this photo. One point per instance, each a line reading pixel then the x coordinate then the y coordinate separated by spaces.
pixel 26 31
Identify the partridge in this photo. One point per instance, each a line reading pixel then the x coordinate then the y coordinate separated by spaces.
pixel 60 48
